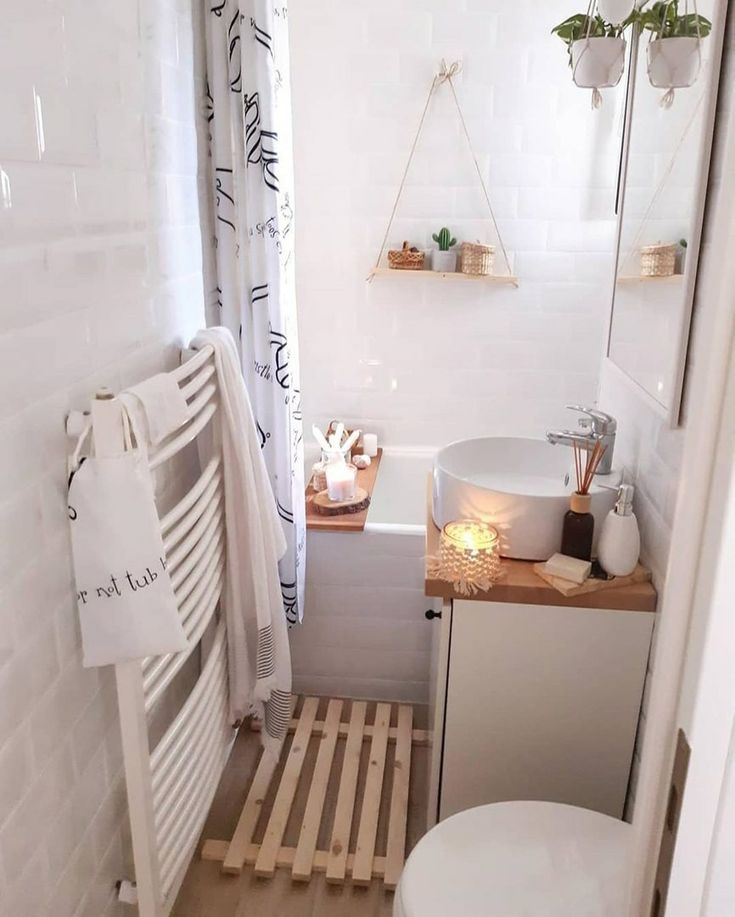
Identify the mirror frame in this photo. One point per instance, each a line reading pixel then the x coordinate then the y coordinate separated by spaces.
pixel 677 373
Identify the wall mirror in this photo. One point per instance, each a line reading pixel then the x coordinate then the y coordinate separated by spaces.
pixel 664 170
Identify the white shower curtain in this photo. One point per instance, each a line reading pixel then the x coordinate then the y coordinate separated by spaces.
pixel 249 112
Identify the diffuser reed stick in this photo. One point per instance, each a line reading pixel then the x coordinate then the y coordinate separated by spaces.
pixel 579 523
pixel 586 462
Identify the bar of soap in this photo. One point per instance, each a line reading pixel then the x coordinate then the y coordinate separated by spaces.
pixel 569 568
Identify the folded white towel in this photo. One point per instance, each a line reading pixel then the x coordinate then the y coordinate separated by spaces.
pixel 162 404
pixel 257 634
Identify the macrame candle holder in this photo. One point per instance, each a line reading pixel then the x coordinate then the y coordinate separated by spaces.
pixel 468 556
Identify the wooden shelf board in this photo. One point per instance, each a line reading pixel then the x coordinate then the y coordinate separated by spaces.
pixel 520 585
pixel 446 275
pixel 642 278
pixel 354 522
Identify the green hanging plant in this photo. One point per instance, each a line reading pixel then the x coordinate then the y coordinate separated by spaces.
pixel 664 21
pixel 580 26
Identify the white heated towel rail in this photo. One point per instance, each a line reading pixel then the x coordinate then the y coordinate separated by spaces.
pixel 170 787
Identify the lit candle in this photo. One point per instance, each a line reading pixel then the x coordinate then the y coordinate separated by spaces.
pixel 469 550
pixel 341 482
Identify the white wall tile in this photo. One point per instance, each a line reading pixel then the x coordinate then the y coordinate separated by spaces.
pixel 401 351
pixel 17 108
pixel 19 836
pixel 15 769
pixel 102 282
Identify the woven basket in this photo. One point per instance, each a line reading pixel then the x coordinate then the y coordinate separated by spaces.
pixel 658 260
pixel 477 258
pixel 405 259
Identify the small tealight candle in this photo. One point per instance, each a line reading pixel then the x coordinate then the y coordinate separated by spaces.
pixel 341 482
pixel 370 444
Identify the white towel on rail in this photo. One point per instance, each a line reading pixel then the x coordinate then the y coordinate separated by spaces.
pixel 259 655
pixel 161 403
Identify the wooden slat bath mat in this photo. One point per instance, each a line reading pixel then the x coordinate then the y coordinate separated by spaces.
pixel 357 788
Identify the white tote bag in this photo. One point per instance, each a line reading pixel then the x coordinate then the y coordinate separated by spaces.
pixel 127 608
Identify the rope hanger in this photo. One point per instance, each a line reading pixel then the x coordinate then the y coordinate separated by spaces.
pixel 446 75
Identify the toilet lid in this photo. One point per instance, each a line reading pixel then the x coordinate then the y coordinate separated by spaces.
pixel 518 859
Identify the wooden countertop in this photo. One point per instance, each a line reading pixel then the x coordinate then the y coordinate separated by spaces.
pixel 351 522
pixel 520 585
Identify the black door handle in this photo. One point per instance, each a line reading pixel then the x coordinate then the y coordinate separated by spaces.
pixel 431 614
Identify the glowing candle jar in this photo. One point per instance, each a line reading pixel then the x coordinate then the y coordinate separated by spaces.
pixel 341 482
pixel 469 551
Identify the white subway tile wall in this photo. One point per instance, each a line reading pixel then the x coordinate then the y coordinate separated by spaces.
pixel 102 282
pixel 423 362
pixel 649 451
pixel 364 632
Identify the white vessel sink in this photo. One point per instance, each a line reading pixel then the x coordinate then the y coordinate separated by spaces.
pixel 521 486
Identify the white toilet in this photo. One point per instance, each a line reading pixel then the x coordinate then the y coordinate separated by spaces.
pixel 518 859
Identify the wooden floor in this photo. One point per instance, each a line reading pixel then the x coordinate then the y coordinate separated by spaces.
pixel 207 892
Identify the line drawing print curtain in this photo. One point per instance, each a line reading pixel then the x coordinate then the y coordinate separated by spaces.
pixel 248 104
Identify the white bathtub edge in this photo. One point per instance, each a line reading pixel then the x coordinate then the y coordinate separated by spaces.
pixel 394 528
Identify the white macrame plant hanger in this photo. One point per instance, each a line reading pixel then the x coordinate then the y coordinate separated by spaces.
pixel 667 99
pixel 445 76
pixel 610 80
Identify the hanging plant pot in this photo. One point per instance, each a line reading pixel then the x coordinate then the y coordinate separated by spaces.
pixel 446 262
pixel 615 11
pixel 673 63
pixel 598 63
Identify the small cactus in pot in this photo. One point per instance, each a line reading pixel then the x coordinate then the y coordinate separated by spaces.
pixel 442 259
pixel 444 239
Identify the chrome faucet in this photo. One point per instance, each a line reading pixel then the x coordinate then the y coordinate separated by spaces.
pixel 595 426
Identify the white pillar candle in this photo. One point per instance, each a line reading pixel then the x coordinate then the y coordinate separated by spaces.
pixel 370 444
pixel 341 482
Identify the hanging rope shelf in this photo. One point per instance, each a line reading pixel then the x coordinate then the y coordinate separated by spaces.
pixel 444 77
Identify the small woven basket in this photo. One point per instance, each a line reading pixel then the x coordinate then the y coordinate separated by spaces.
pixel 658 260
pixel 405 259
pixel 477 258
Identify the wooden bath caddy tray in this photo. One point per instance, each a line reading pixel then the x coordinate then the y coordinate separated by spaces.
pixel 345 520
pixel 383 771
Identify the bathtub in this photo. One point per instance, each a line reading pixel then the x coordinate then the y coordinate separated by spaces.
pixel 364 632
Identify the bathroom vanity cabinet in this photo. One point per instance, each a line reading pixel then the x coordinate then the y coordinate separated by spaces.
pixel 540 702
pixel 537 701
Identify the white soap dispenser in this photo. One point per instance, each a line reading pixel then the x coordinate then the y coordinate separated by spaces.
pixel 619 546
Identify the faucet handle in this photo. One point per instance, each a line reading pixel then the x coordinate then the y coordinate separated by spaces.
pixel 600 422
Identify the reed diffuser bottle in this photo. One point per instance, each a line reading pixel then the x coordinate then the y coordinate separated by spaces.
pixel 579 528
pixel 579 523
